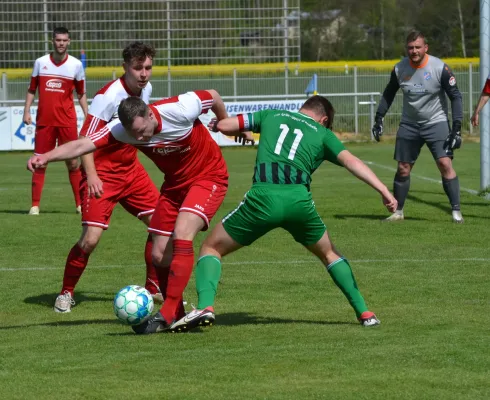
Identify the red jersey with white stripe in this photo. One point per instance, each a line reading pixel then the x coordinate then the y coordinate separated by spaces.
pixel 118 157
pixel 181 147
pixel 486 88
pixel 56 83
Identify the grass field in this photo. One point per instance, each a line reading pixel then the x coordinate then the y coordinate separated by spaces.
pixel 283 331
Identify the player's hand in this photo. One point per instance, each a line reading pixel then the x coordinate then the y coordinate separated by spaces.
pixel 244 138
pixel 27 119
pixel 95 186
pixel 37 162
pixel 453 140
pixel 377 129
pixel 475 120
pixel 390 202
pixel 213 125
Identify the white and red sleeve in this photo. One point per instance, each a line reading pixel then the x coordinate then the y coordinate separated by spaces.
pixel 80 80
pixel 35 77
pixel 92 124
pixel 195 103
pixel 103 137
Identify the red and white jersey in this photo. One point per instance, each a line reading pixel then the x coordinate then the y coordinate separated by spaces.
pixel 181 147
pixel 56 83
pixel 486 88
pixel 119 157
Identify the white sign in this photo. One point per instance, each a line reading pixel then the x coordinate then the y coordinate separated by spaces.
pixel 15 135
pixel 23 135
pixel 5 135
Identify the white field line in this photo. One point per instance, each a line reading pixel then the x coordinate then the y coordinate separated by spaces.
pixel 311 260
pixel 425 178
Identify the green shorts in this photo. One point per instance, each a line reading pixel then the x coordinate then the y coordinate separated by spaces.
pixel 269 206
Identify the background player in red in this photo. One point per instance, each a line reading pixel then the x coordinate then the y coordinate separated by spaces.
pixel 56 75
pixel 113 175
pixel 484 96
pixel 170 133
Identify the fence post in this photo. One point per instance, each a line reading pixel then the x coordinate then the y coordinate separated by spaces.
pixel 371 109
pixel 3 89
pixel 356 111
pixel 169 82
pixel 234 85
pixel 470 92
pixel 113 74
pixel 286 81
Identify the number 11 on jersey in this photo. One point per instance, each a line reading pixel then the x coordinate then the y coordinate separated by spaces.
pixel 282 136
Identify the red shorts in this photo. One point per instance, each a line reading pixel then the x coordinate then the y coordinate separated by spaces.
pixel 47 136
pixel 202 198
pixel 135 191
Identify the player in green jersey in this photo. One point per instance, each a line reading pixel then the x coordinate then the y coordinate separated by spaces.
pixel 292 146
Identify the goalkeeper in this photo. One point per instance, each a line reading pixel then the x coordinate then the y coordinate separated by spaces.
pixel 292 146
pixel 425 80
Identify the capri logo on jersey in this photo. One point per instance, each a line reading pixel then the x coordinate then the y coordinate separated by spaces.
pixel 54 84
pixel 166 150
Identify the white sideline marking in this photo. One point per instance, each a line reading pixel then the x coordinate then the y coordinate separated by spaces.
pixel 425 178
pixel 312 260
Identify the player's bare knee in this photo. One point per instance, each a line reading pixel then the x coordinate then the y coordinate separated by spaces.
pixel 88 244
pixel 445 166
pixel 404 169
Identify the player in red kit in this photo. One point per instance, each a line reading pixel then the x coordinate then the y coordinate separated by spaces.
pixel 113 174
pixel 170 133
pixel 56 75
pixel 484 96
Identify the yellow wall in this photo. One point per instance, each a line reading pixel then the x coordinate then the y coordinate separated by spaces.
pixel 193 70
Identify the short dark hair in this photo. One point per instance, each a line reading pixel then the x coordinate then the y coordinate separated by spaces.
pixel 414 35
pixel 138 51
pixel 129 109
pixel 60 30
pixel 322 107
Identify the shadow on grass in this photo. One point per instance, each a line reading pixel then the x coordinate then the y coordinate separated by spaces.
pixel 112 321
pixel 236 319
pixel 371 217
pixel 47 300
pixel 26 212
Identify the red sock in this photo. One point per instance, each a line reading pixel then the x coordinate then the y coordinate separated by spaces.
pixel 37 185
pixel 179 275
pixel 75 178
pixel 152 281
pixel 75 265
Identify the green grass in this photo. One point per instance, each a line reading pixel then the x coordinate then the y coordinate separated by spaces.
pixel 283 331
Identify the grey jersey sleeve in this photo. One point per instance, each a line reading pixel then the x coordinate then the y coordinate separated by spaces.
pixel 448 83
pixel 388 95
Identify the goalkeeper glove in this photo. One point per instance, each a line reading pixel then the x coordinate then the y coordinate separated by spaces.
pixel 377 129
pixel 453 140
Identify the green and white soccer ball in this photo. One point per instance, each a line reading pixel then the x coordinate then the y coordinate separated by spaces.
pixel 133 305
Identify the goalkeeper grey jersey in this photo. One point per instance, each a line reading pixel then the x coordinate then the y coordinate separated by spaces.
pixel 424 92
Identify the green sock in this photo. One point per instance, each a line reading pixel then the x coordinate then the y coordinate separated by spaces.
pixel 208 272
pixel 341 274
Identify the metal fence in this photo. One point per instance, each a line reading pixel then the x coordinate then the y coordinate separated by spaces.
pixel 355 91
pixel 185 32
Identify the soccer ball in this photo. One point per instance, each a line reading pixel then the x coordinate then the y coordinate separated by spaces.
pixel 133 305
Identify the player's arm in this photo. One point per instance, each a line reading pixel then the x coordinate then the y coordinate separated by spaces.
pixel 67 151
pixel 233 126
pixel 82 100
pixel 218 107
pixel 361 171
pixel 484 97
pixel 31 93
pixel 385 104
pixel 95 185
pixel 448 83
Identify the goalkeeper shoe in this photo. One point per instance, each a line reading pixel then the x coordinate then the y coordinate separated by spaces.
pixel 368 318
pixel 194 319
pixel 396 216
pixel 457 217
pixel 64 302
